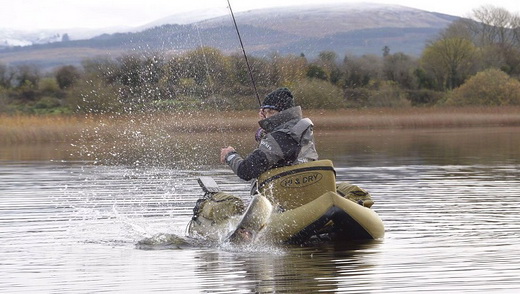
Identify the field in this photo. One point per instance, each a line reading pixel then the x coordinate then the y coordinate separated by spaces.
pixel 40 129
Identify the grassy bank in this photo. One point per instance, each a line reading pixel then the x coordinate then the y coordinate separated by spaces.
pixel 27 129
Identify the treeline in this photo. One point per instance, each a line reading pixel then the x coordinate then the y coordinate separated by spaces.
pixel 473 62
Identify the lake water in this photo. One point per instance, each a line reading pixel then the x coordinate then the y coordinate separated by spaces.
pixel 448 199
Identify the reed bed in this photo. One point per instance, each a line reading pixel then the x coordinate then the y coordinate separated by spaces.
pixel 41 129
pixel 411 118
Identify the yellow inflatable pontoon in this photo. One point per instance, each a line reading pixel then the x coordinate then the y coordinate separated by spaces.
pixel 293 204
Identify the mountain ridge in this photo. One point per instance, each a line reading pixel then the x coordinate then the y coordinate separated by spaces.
pixel 310 29
pixel 361 16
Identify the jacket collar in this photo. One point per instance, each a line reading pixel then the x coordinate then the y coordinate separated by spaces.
pixel 271 123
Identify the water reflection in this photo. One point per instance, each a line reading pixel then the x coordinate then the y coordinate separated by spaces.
pixel 353 148
pixel 288 270
pixel 424 146
pixel 452 225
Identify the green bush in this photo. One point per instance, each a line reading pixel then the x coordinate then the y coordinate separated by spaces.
pixel 319 94
pixel 4 100
pixel 424 97
pixel 47 103
pixel 48 86
pixel 356 97
pixel 388 94
pixel 379 94
pixel 95 96
pixel 491 87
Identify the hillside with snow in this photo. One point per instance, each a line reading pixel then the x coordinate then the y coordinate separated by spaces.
pixel 343 28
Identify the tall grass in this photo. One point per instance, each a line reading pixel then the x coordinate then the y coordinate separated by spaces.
pixel 41 129
pixel 26 128
pixel 407 118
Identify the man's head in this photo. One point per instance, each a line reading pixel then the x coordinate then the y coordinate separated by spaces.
pixel 279 100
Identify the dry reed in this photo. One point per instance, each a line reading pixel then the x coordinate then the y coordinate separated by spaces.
pixel 24 128
pixel 41 129
pixel 417 118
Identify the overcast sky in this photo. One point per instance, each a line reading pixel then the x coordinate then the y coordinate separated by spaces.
pixel 55 14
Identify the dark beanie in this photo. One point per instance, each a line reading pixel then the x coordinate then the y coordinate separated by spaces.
pixel 280 99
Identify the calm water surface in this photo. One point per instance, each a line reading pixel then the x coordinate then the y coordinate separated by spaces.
pixel 449 201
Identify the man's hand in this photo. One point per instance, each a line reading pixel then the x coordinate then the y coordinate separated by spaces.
pixel 224 152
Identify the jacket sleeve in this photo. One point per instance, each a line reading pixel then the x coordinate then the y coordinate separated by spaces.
pixel 276 149
pixel 249 168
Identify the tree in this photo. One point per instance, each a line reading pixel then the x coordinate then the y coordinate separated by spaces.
pixel 359 71
pixel 94 95
pixel 26 74
pixel 49 86
pixel 24 80
pixel 495 26
pixel 241 74
pixel 315 71
pixel 66 76
pixel 327 60
pixel 387 94
pixel 400 68
pixel 496 32
pixel 288 69
pixel 499 33
pixel 386 51
pixel 318 93
pixel 491 87
pixel 450 61
pixel 5 81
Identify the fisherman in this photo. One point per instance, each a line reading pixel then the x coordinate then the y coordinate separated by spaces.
pixel 285 138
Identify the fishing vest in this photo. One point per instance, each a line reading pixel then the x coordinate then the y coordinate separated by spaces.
pixel 302 133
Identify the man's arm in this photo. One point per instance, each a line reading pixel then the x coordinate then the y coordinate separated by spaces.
pixel 249 168
pixel 277 148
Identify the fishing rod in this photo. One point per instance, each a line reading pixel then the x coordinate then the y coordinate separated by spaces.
pixel 245 55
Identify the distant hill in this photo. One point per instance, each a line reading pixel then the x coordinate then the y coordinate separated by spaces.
pixel 344 28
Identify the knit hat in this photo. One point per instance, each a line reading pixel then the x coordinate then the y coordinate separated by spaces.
pixel 280 99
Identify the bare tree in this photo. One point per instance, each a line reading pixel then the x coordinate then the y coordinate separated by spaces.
pixel 497 31
pixel 26 74
pixel 4 76
pixel 495 26
pixel 399 68
pixel 359 71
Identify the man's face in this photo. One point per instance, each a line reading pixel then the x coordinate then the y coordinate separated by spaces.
pixel 266 112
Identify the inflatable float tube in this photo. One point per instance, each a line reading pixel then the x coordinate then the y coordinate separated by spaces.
pixel 292 205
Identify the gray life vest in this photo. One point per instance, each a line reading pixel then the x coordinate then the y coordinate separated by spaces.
pixel 302 132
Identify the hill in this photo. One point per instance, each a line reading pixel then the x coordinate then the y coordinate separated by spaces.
pixel 344 28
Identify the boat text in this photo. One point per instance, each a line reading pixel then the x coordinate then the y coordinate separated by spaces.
pixel 301 180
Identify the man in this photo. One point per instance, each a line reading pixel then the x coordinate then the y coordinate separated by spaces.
pixel 288 138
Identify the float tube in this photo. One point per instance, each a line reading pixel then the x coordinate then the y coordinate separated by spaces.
pixel 293 204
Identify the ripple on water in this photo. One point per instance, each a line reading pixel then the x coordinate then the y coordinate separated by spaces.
pixel 71 228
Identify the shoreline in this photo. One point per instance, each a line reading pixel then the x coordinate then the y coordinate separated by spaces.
pixel 69 128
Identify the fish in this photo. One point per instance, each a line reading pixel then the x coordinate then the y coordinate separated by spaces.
pixel 163 241
pixel 252 222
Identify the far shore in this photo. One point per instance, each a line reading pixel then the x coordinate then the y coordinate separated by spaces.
pixel 16 129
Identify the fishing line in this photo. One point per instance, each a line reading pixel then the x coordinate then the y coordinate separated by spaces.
pixel 245 55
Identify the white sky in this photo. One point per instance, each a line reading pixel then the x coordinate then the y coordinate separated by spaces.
pixel 56 14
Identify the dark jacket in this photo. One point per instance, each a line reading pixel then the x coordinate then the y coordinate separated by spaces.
pixel 289 140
